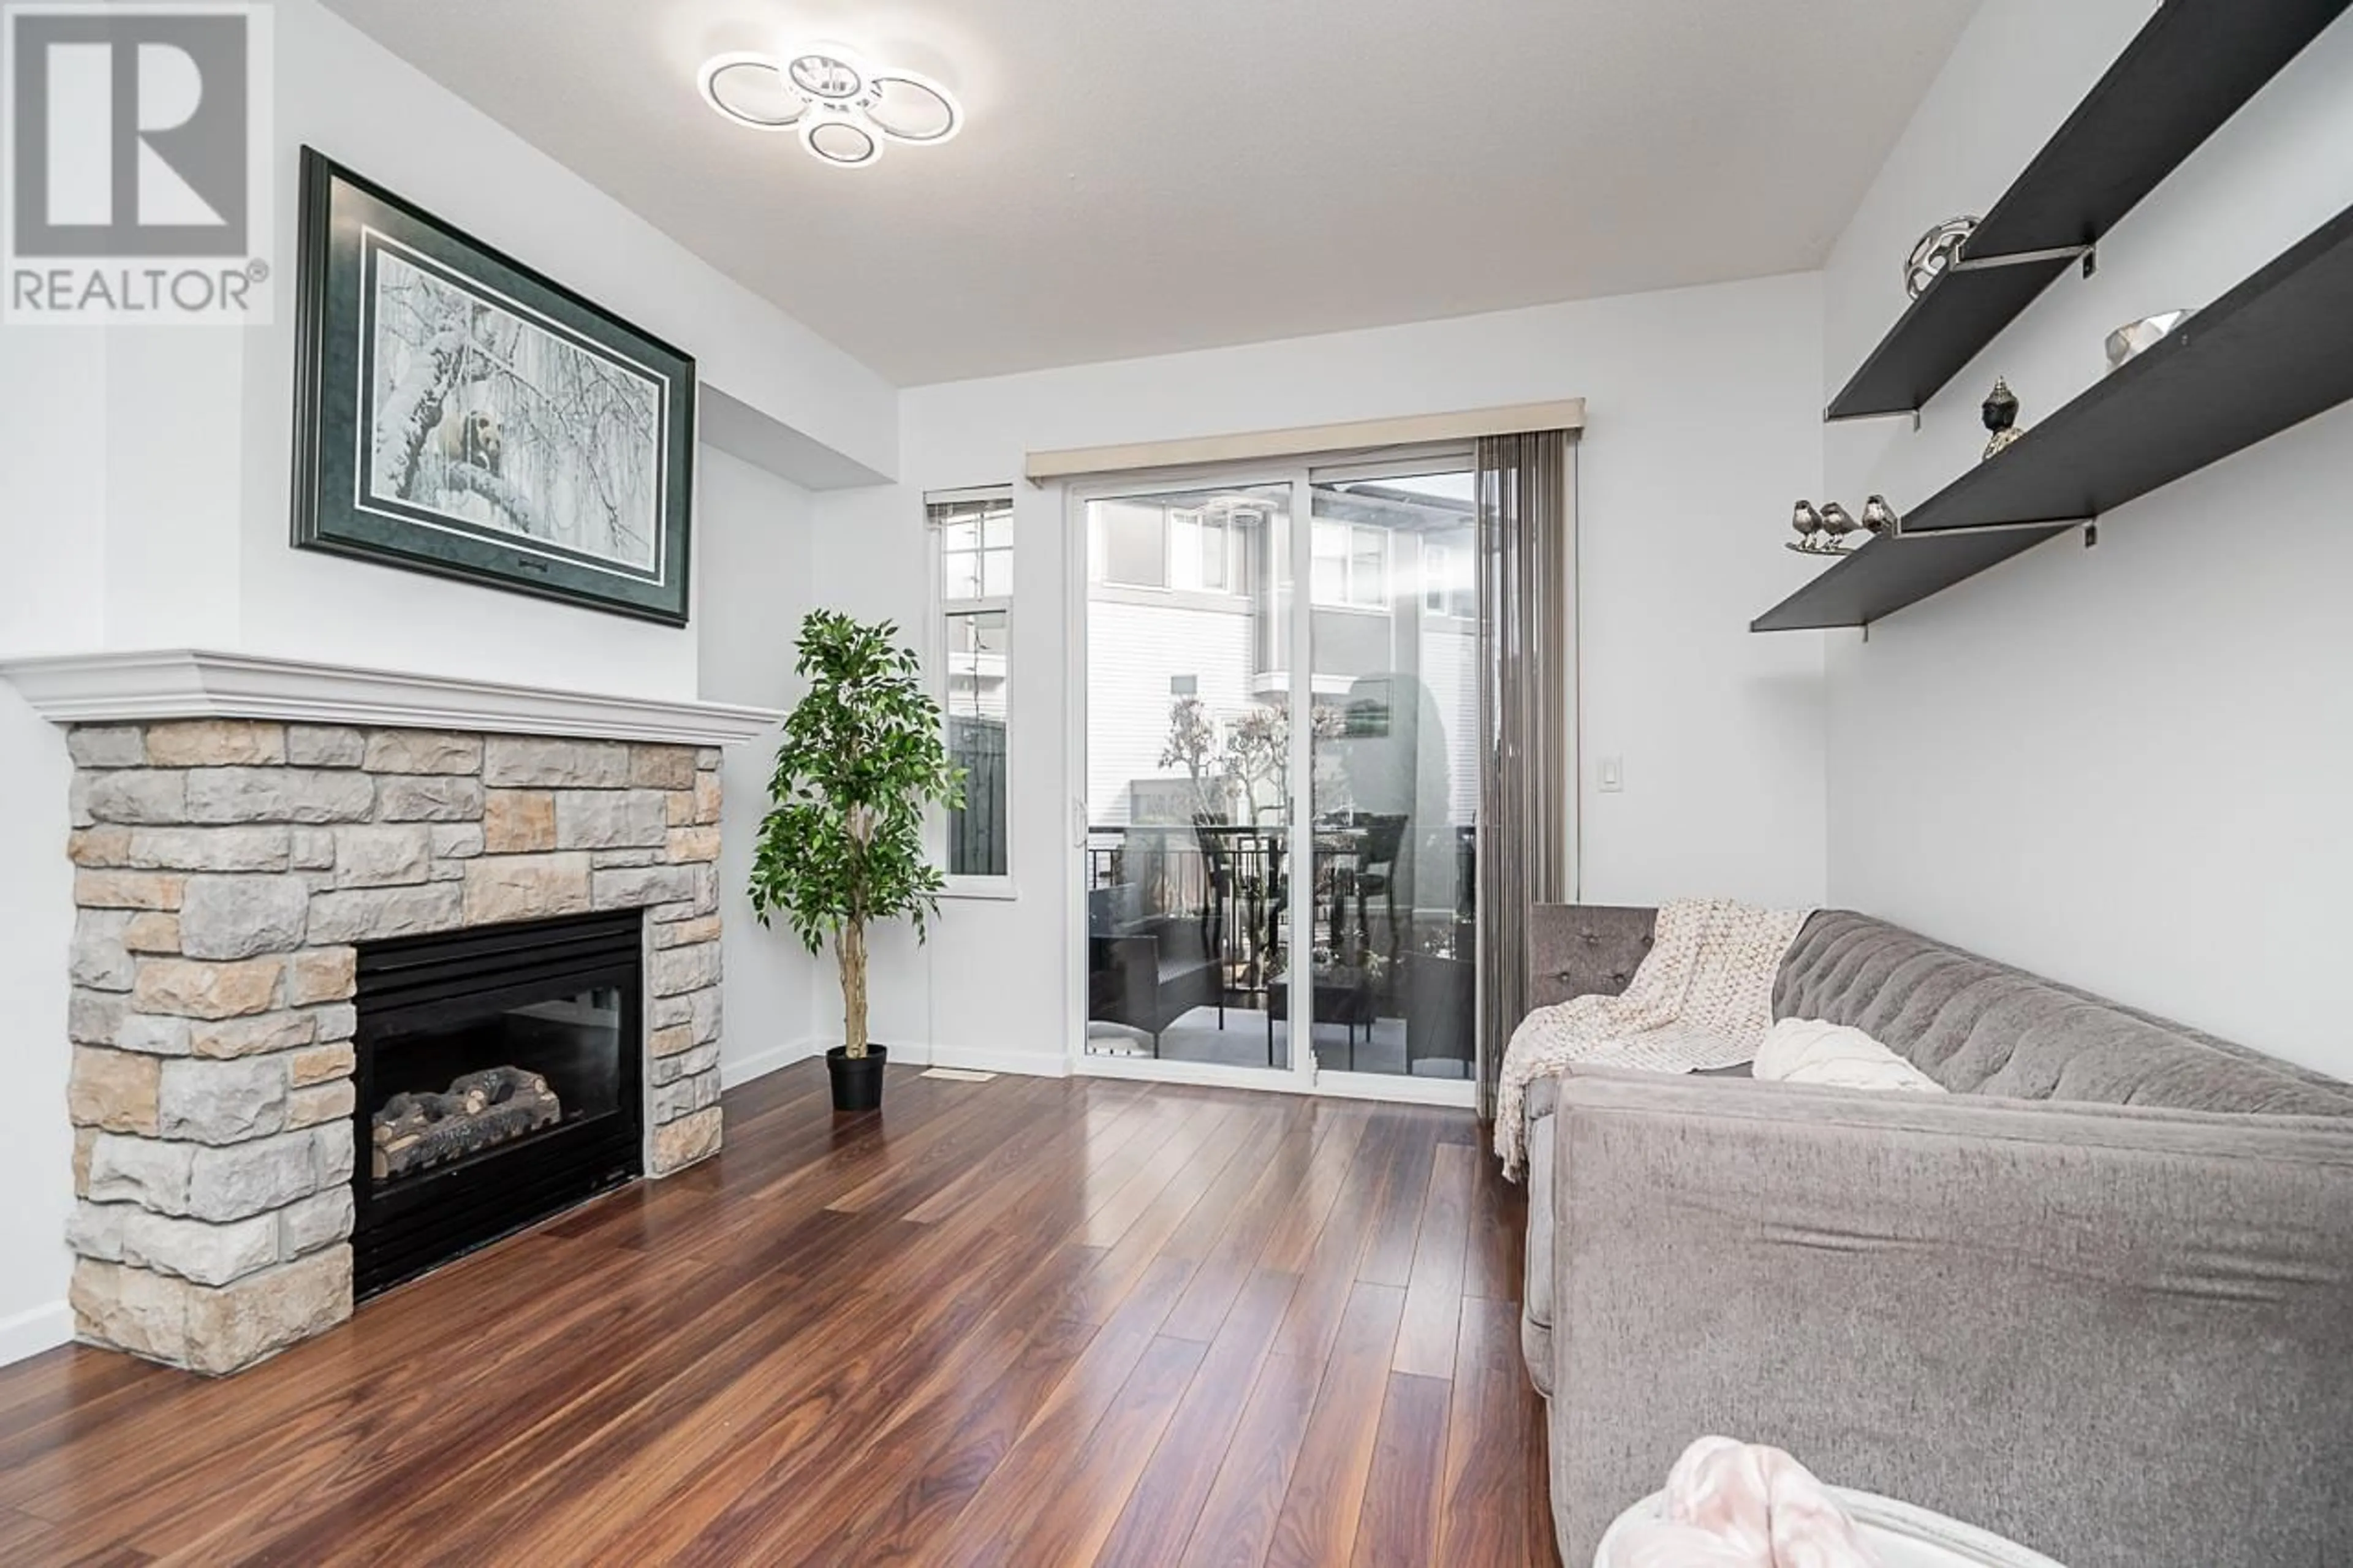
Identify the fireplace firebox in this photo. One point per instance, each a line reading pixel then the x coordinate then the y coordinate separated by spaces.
pixel 499 1081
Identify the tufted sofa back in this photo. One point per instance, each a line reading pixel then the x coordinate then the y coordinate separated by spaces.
pixel 1981 1027
pixel 1974 1026
pixel 1579 949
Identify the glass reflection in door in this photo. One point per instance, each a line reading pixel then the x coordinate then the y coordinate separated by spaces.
pixel 1189 774
pixel 1395 782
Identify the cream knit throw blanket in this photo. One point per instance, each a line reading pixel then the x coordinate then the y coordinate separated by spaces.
pixel 1704 998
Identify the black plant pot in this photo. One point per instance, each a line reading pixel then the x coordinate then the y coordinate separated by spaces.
pixel 856 1081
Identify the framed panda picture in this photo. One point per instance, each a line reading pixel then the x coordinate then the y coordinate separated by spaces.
pixel 459 413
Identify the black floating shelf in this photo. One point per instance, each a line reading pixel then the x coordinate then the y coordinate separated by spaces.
pixel 1938 333
pixel 2270 353
pixel 1886 574
pixel 2186 73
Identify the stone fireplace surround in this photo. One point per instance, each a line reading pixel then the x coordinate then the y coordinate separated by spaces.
pixel 232 841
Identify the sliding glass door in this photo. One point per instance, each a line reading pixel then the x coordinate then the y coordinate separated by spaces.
pixel 1188 774
pixel 1281 777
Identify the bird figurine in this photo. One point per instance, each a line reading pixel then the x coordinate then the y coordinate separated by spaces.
pixel 1838 523
pixel 1880 518
pixel 1806 520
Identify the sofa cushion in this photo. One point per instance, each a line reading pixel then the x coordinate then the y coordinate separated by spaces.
pixel 1806 1050
pixel 1981 1027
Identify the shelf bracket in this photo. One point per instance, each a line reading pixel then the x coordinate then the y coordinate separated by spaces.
pixel 2021 258
pixel 1911 414
pixel 2045 523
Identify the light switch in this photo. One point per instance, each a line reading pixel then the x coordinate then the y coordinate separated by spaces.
pixel 1613 774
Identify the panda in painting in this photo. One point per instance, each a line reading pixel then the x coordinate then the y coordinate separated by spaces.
pixel 470 436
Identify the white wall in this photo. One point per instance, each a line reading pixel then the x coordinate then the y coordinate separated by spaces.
pixel 144 483
pixel 151 468
pixel 1703 406
pixel 341 92
pixel 757 559
pixel 53 495
pixel 2122 767
pixel 35 1144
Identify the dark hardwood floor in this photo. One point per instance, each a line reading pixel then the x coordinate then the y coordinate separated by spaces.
pixel 1028 1321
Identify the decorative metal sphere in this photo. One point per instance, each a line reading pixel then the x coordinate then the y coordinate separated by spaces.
pixel 1938 249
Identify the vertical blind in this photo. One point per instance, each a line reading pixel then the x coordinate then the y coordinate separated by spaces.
pixel 1527 684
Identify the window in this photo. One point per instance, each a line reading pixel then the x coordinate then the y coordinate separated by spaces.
pixel 1132 545
pixel 1188 549
pixel 975 549
pixel 1445 585
pixel 1199 553
pixel 973 536
pixel 1352 565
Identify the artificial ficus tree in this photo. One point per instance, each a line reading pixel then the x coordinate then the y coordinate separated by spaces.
pixel 862 760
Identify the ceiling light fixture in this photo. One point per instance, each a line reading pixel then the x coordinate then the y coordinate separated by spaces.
pixel 844 111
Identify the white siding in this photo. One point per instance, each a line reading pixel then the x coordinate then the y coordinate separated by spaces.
pixel 1450 668
pixel 1133 651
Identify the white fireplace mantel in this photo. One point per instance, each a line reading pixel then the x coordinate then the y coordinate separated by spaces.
pixel 190 683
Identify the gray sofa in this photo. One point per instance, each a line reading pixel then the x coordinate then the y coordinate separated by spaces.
pixel 2099 1299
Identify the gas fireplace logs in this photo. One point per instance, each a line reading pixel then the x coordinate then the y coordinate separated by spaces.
pixel 414 1132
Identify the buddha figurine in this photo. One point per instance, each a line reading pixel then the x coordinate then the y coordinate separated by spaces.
pixel 2001 413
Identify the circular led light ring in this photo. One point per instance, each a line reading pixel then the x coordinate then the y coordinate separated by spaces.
pixel 878 83
pixel 815 127
pixel 718 66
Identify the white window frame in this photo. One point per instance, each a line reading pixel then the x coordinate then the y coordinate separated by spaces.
pixel 1442 581
pixel 942 610
pixel 1186 536
pixel 1347 583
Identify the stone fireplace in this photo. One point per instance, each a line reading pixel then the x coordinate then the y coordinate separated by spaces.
pixel 232 869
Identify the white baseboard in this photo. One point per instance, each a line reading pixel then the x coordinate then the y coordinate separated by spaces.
pixel 734 1070
pixel 35 1330
pixel 983 1058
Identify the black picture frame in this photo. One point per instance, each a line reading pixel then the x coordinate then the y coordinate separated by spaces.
pixel 461 414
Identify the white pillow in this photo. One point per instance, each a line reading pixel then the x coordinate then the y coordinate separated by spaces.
pixel 1806 1050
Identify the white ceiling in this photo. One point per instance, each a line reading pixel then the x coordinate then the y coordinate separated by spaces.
pixel 1138 177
